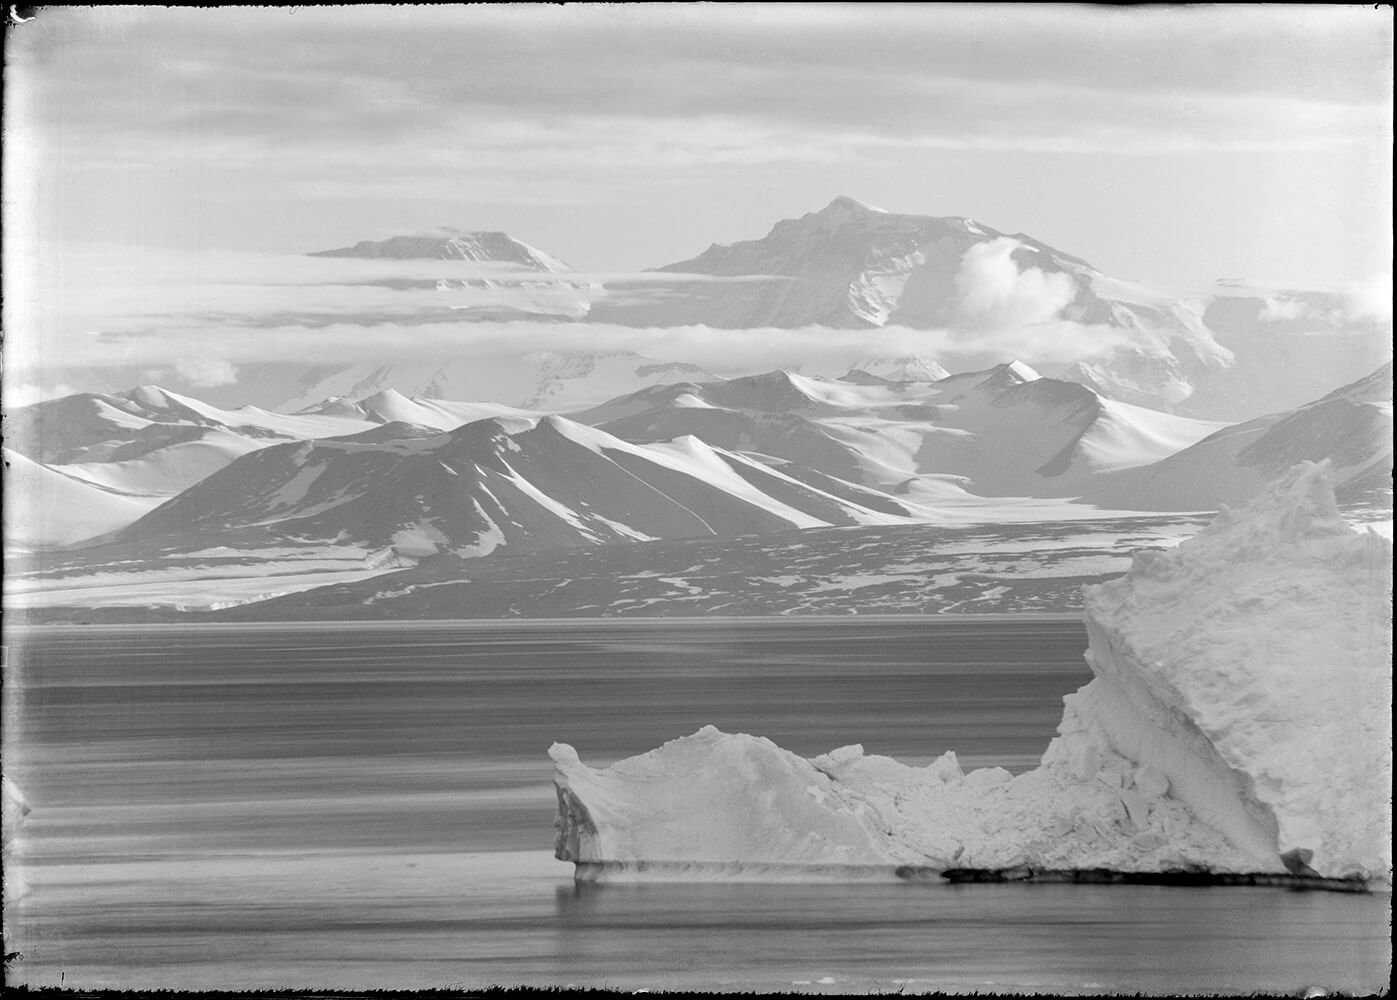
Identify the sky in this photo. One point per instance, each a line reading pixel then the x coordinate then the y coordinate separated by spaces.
pixel 1175 145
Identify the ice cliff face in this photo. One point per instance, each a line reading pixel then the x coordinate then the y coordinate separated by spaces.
pixel 1251 666
pixel 1238 722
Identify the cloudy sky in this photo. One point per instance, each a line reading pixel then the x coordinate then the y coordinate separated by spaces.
pixel 1175 145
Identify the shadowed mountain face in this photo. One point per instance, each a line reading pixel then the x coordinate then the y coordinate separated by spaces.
pixel 525 484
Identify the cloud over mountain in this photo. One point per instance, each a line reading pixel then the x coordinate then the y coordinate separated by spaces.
pixel 994 293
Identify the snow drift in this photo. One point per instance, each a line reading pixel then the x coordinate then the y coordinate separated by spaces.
pixel 1238 721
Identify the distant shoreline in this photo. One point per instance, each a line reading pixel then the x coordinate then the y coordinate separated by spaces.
pixel 162 619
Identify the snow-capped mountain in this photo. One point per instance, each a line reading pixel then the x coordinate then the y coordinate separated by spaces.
pixel 1004 431
pixel 150 442
pixel 496 277
pixel 521 483
pixel 849 265
pixel 88 464
pixel 1351 427
pixel 1231 352
pixel 537 380
pixel 914 368
pixel 852 265
pixel 398 479
pixel 392 407
pixel 470 247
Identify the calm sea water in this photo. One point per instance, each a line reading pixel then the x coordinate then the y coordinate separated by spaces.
pixel 370 806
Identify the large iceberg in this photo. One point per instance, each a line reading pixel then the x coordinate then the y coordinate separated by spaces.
pixel 1238 722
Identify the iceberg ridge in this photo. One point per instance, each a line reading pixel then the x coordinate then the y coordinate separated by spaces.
pixel 1238 721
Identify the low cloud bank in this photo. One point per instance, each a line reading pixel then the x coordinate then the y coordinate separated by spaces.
pixel 208 356
pixel 205 314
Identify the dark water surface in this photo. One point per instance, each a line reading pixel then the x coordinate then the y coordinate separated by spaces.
pixel 370 805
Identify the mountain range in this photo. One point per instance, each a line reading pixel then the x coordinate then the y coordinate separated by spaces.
pixel 1002 432
pixel 353 489
pixel 954 293
pixel 146 495
pixel 537 380
pixel 1226 353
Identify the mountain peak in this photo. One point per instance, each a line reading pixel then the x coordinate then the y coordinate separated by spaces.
pixel 384 397
pixel 445 243
pixel 906 368
pixel 1021 371
pixel 151 396
pixel 843 204
pixel 1007 375
pixel 841 212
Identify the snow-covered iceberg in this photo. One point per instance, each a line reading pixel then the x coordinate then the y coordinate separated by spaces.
pixel 1238 721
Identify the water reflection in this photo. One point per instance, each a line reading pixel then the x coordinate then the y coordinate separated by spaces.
pixel 1043 937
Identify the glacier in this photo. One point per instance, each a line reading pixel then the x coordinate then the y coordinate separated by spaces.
pixel 1238 722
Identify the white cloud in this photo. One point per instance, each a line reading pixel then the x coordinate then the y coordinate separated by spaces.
pixel 27 393
pixel 1372 299
pixel 207 314
pixel 994 294
pixel 97 291
pixel 719 350
pixel 1280 310
pixel 206 372
pixel 1357 308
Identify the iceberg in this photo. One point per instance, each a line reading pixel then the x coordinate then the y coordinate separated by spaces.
pixel 1238 723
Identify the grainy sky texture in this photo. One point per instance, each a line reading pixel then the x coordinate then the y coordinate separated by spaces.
pixel 1175 145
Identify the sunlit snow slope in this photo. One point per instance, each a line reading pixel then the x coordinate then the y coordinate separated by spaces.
pixel 44 507
pixel 1350 427
pixel 1004 431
